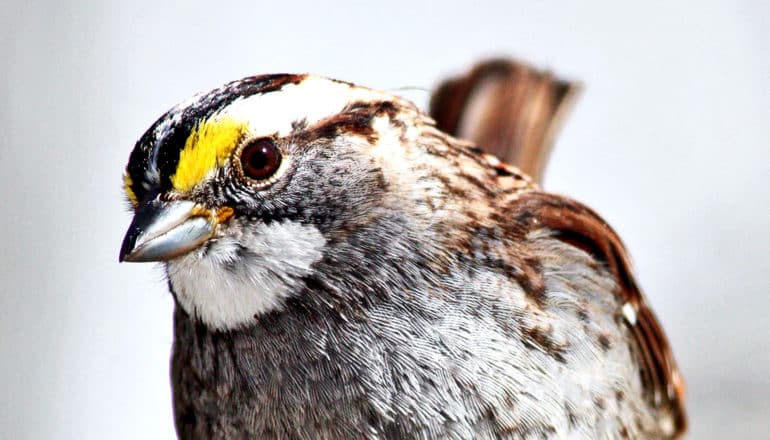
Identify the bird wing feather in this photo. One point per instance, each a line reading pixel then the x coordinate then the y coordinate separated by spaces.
pixel 578 225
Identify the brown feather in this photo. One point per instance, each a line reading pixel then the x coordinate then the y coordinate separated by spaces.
pixel 582 227
pixel 508 108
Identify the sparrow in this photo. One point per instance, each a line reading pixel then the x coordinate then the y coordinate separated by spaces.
pixel 343 267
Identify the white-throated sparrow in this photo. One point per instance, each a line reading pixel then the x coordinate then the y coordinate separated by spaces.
pixel 344 269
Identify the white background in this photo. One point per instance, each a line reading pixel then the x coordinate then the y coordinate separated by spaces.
pixel 669 141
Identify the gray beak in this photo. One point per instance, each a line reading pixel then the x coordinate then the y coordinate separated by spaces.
pixel 164 230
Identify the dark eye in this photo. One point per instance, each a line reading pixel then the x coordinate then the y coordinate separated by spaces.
pixel 260 159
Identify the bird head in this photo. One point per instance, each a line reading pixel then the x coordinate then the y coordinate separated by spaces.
pixel 243 191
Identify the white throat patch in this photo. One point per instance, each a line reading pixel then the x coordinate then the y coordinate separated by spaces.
pixel 241 275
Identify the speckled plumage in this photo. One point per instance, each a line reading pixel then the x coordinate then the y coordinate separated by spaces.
pixel 449 297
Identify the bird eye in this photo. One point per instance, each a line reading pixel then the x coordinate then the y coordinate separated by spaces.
pixel 260 159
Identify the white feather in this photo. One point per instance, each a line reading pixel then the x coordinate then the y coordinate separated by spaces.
pixel 226 286
pixel 312 100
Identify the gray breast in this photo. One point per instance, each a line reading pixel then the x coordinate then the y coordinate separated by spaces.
pixel 476 358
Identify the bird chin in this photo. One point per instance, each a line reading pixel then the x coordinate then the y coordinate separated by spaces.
pixel 230 281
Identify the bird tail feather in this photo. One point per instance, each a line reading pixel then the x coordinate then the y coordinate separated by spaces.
pixel 507 108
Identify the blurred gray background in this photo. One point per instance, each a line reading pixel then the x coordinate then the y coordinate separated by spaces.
pixel 669 141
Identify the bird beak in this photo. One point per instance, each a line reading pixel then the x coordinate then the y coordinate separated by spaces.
pixel 162 230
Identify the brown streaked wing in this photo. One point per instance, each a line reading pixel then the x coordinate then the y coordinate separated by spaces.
pixel 580 226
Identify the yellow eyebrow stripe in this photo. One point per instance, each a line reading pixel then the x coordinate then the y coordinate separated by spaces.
pixel 127 183
pixel 208 146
